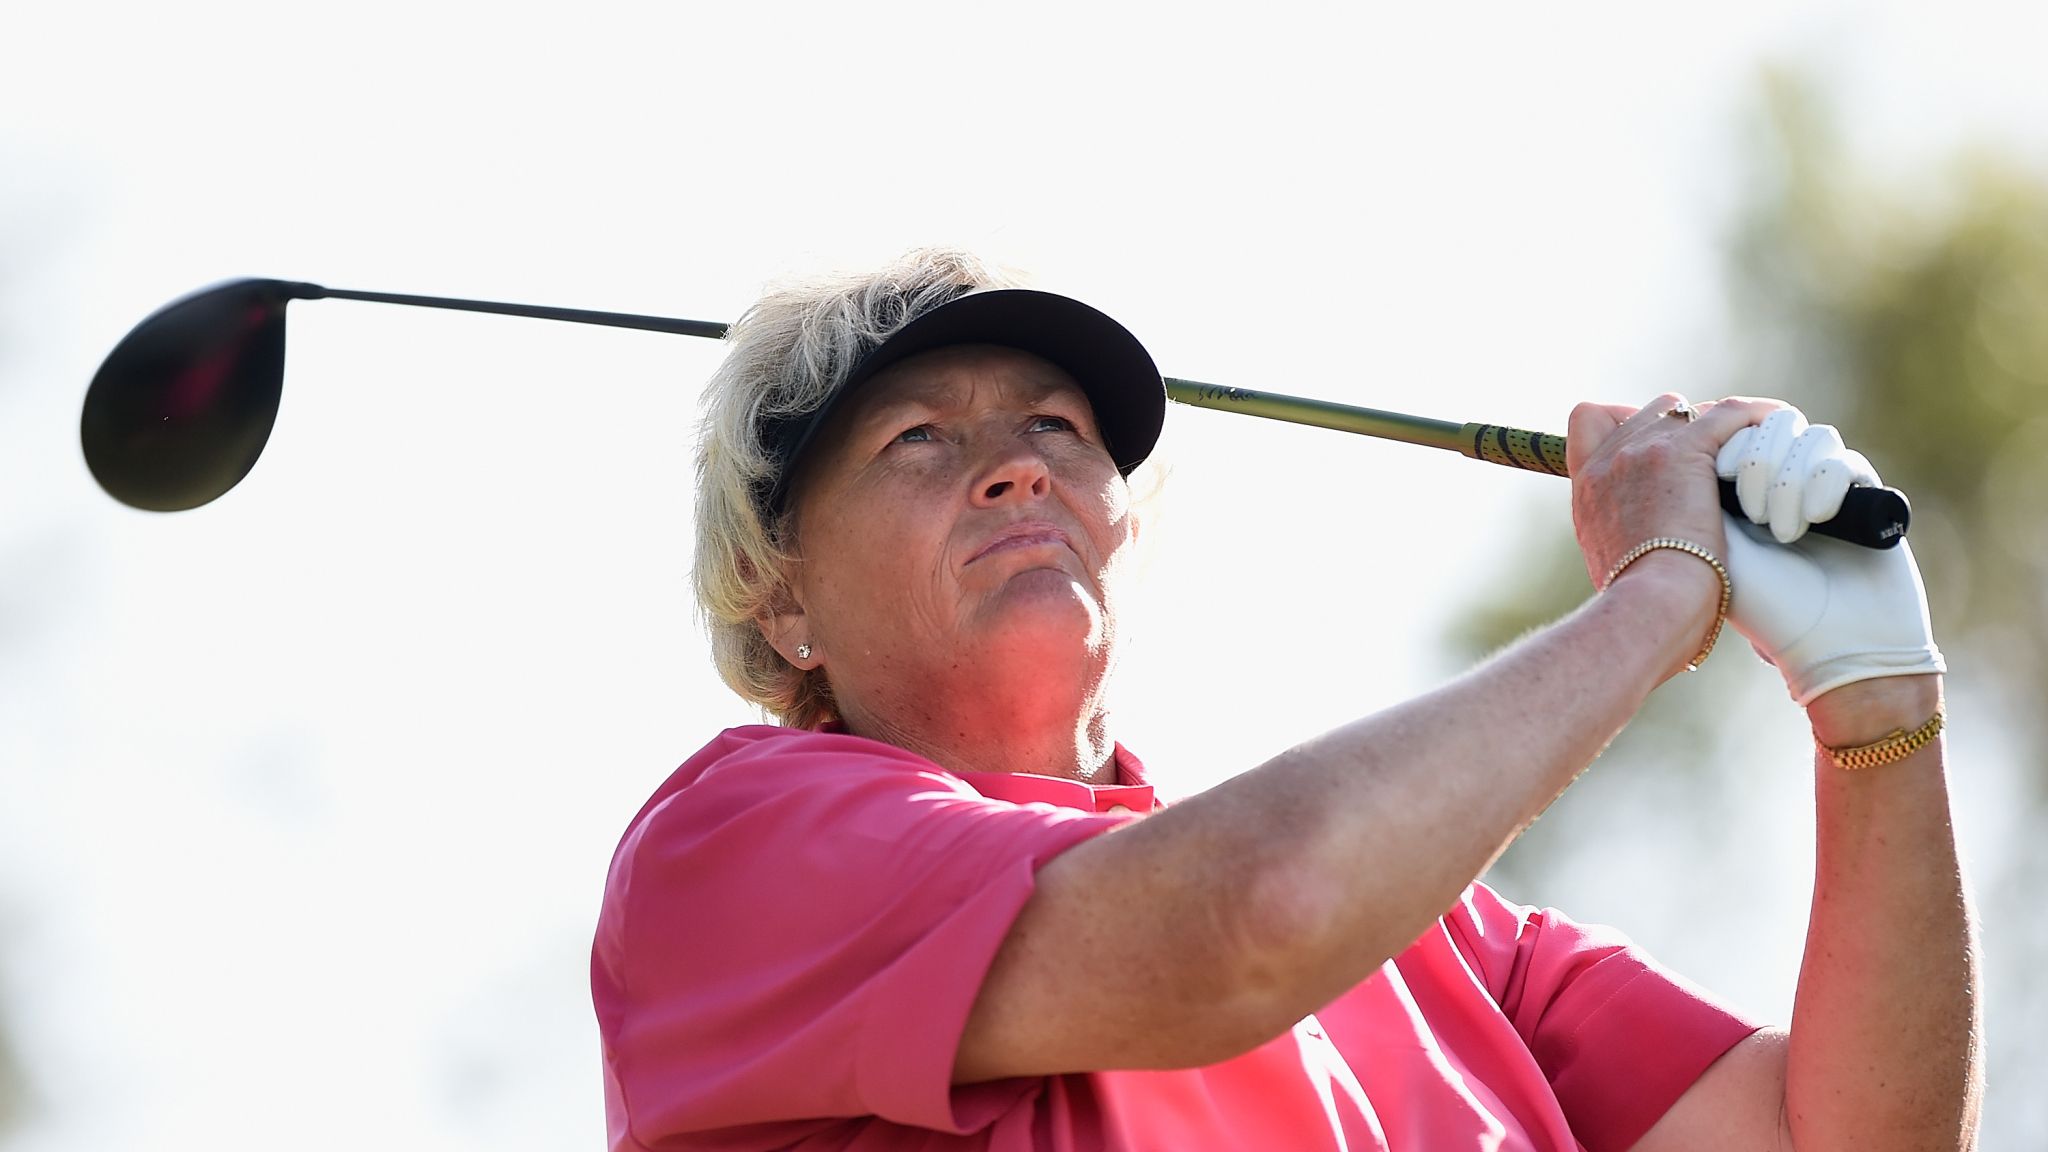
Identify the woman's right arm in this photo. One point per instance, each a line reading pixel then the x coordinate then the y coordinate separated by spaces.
pixel 1202 931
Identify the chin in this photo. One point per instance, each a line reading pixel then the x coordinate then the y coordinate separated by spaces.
pixel 1043 613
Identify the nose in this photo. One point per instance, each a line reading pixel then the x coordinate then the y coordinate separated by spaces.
pixel 1014 473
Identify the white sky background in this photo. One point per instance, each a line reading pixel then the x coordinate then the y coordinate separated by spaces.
pixel 306 797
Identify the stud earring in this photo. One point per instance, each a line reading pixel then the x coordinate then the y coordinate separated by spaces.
pixel 803 651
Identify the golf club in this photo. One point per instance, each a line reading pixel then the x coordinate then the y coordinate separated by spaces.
pixel 181 408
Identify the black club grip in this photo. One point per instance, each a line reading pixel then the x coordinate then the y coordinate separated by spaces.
pixel 1871 517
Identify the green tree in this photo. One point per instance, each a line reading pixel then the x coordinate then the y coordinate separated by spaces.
pixel 1917 325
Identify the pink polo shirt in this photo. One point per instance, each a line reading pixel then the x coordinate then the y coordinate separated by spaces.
pixel 796 924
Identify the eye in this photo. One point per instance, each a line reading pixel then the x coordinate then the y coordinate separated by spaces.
pixel 1051 424
pixel 919 434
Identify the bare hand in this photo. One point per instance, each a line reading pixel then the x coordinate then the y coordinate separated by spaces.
pixel 1642 473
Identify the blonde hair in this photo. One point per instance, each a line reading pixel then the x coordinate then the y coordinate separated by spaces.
pixel 788 354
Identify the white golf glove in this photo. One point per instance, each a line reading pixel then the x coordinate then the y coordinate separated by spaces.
pixel 1824 612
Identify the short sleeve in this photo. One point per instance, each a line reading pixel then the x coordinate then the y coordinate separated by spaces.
pixel 1619 1037
pixel 800 933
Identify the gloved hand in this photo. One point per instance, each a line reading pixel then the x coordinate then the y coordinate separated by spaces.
pixel 1824 612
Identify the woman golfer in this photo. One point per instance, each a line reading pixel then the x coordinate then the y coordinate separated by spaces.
pixel 936 906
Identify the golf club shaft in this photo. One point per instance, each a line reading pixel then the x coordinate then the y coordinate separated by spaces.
pixel 707 328
pixel 1871 517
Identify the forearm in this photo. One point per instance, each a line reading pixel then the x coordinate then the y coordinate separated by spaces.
pixel 1368 834
pixel 1886 1027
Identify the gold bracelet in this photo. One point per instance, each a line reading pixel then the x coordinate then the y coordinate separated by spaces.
pixel 1897 746
pixel 1691 549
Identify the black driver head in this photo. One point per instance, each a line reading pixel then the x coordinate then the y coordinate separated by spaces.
pixel 183 405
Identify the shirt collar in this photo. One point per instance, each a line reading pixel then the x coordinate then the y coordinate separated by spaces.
pixel 1131 793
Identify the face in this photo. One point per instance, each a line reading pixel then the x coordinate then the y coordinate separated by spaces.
pixel 959 518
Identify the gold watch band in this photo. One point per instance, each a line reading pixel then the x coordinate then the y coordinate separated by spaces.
pixel 1897 746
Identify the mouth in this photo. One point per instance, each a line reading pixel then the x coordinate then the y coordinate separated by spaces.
pixel 1024 534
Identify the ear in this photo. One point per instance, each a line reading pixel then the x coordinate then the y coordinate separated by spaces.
pixel 787 631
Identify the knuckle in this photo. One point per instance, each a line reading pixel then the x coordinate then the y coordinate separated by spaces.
pixel 1657 452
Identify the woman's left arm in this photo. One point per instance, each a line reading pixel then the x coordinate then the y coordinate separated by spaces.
pixel 1887 1025
pixel 1885 1049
